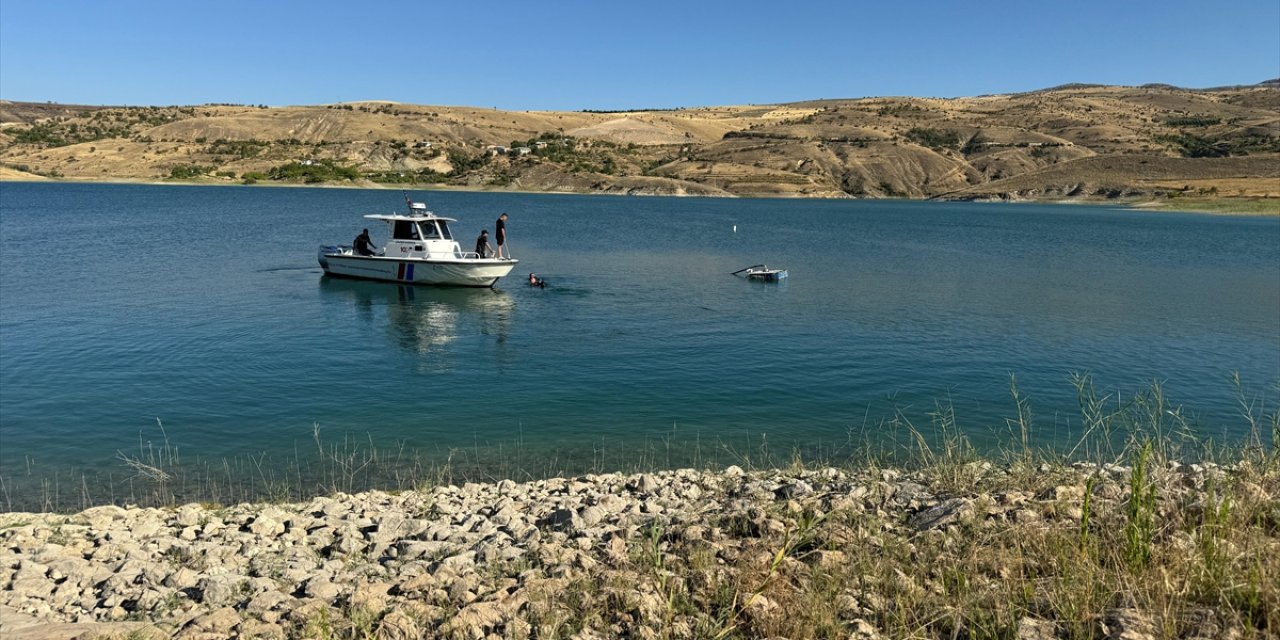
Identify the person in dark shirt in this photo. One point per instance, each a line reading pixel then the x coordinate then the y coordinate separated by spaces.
pixel 362 244
pixel 482 244
pixel 500 234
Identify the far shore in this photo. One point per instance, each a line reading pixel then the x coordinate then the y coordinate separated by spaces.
pixel 1226 206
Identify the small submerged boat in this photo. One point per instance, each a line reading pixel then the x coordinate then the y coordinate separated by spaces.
pixel 761 272
pixel 420 250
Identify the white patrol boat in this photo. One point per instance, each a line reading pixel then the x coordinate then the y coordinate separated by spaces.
pixel 420 250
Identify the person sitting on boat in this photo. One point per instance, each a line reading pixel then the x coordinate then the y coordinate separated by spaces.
pixel 483 249
pixel 535 281
pixel 363 243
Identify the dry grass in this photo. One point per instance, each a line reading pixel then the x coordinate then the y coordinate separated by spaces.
pixel 1028 145
pixel 1229 188
pixel 1225 206
pixel 1140 531
pixel 1079 551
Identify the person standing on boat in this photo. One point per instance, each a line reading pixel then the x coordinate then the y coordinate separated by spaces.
pixel 500 233
pixel 483 248
pixel 362 244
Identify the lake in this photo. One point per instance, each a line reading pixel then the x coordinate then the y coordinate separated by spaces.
pixel 189 330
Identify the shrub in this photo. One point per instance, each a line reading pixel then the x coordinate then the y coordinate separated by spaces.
pixel 1193 121
pixel 463 162
pixel 322 171
pixel 241 149
pixel 188 171
pixel 934 138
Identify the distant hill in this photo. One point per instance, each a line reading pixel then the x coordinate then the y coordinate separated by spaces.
pixel 1076 141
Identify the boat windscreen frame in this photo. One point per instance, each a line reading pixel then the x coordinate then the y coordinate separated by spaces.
pixel 445 234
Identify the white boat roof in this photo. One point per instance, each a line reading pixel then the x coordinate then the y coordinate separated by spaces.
pixel 414 217
pixel 417 213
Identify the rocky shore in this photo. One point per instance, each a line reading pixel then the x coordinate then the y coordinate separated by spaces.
pixel 958 550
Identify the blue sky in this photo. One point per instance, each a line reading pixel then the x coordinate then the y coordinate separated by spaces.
pixel 571 54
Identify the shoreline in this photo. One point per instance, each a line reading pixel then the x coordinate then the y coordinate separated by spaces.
pixel 1030 549
pixel 1221 206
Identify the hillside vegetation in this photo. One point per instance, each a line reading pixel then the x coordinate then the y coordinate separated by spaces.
pixel 1070 142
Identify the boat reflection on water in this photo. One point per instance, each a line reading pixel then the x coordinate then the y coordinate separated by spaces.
pixel 426 320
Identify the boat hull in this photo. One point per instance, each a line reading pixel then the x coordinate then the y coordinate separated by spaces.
pixel 481 272
pixel 771 275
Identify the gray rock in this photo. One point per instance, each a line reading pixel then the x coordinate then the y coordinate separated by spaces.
pixel 908 494
pixel 593 515
pixel 189 515
pixel 146 527
pixel 1128 624
pixel 219 622
pixel 644 483
pixel 560 520
pixel 461 561
pixel 218 590
pixel 100 518
pixel 953 510
pixel 420 549
pixel 267 524
pixel 348 541
pixel 475 620
pixel 261 629
pixel 1033 629
pixel 37 588
pixel 860 629
pixel 183 578
pixel 691 493
pixel 793 490
pixel 30 569
pixel 523 532
pixel 321 588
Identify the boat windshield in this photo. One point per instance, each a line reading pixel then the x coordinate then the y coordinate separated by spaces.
pixel 444 230
pixel 404 230
pixel 429 231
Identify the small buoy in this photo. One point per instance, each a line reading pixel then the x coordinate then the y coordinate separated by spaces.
pixel 735 228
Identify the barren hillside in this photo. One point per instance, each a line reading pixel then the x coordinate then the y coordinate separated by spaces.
pixel 1075 141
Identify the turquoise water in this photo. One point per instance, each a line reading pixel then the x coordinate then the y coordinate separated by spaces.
pixel 203 308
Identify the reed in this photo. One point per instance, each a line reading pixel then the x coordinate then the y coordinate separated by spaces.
pixel 158 474
pixel 1126 565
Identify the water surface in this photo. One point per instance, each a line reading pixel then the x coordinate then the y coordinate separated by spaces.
pixel 203 307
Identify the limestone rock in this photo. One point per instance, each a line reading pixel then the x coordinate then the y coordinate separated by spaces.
pixel 217 623
pixel 1034 629
pixel 953 510
pixel 475 620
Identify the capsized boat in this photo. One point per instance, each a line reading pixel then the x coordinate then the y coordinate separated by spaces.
pixel 762 272
pixel 419 250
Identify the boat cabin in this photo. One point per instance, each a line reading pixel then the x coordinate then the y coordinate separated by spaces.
pixel 420 235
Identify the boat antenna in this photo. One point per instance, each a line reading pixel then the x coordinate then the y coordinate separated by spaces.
pixel 407 201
